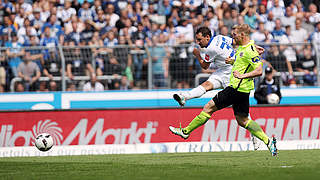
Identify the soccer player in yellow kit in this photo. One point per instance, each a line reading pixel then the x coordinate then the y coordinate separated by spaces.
pixel 246 66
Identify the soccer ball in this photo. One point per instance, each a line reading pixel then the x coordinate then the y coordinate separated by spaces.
pixel 44 142
pixel 273 98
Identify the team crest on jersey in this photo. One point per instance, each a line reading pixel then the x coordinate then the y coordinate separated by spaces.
pixel 241 54
pixel 207 57
pixel 255 59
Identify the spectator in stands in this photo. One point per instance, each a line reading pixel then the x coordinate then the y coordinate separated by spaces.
pixel 160 61
pixel 266 87
pixel 3 65
pixel 113 16
pixel 124 83
pixel 50 42
pixel 261 35
pixel 277 10
pixel 29 72
pixel 270 24
pixel 54 27
pixel 8 26
pixel 52 66
pixel 120 23
pixel 36 54
pixel 43 87
pixel 288 50
pixel 289 18
pixel 262 13
pixel 138 38
pixel 313 15
pixel 110 40
pixel 69 28
pixel 315 36
pixel 227 20
pixel 250 17
pixel 307 65
pixel 74 35
pixel 53 86
pixel 278 32
pixel 99 53
pixel 93 84
pixel 224 31
pixel 36 20
pixel 25 6
pixel 77 64
pixel 299 35
pixel 87 34
pixel 19 87
pixel 124 57
pixel 14 52
pixel 164 7
pixel 20 16
pixel 280 63
pixel 85 13
pixel 213 22
pixel 67 11
pixel 25 30
pixel 71 87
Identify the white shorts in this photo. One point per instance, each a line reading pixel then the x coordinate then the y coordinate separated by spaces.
pixel 219 80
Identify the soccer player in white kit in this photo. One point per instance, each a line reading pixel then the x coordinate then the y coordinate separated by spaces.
pixel 214 49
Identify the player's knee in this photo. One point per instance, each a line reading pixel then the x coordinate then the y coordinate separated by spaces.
pixel 207 85
pixel 210 107
pixel 242 120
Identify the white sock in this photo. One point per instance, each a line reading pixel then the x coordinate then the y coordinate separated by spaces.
pixel 194 93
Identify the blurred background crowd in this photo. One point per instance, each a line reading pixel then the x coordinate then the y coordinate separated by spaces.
pixel 121 38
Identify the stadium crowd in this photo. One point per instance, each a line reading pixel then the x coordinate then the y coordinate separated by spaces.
pixel 93 29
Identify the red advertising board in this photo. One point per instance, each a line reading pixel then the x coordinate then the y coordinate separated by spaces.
pixel 151 125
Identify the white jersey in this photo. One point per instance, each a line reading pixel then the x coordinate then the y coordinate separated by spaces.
pixel 218 49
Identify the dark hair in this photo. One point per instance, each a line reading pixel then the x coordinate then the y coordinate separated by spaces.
pixel 205 31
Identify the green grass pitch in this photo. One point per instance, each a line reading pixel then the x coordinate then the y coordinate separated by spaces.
pixel 302 164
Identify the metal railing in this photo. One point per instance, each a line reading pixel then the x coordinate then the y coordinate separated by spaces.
pixel 145 67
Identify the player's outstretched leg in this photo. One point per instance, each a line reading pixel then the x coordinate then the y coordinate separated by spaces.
pixel 256 130
pixel 199 120
pixel 178 131
pixel 181 98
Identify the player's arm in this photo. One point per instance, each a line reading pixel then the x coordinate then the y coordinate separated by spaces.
pixel 203 63
pixel 256 72
pixel 229 60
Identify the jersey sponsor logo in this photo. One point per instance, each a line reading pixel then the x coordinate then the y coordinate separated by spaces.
pixel 255 59
pixel 207 57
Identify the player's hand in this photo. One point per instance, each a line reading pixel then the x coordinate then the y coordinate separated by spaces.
pixel 196 52
pixel 236 74
pixel 228 60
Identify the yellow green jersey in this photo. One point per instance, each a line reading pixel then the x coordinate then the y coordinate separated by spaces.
pixel 247 59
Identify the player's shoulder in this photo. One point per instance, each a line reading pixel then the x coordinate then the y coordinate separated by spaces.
pixel 250 49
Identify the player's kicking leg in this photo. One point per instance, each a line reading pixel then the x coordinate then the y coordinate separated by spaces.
pixel 197 92
pixel 256 131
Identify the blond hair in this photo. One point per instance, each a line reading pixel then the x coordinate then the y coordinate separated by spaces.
pixel 243 28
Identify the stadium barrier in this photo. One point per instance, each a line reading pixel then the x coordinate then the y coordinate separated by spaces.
pixel 147 148
pixel 126 131
pixel 146 67
pixel 132 99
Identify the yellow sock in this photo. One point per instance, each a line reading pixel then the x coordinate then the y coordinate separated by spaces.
pixel 196 122
pixel 256 130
